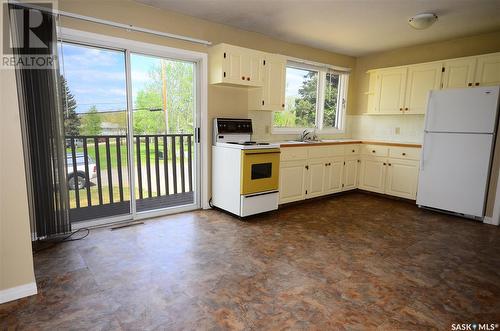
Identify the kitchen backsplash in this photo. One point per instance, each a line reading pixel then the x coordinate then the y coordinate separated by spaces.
pixel 406 128
pixel 370 127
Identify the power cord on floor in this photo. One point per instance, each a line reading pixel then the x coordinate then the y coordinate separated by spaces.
pixel 54 242
pixel 210 203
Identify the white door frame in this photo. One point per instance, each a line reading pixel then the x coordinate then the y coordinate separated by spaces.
pixel 201 83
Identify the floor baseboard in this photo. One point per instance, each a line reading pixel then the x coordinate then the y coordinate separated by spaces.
pixel 18 292
pixel 489 220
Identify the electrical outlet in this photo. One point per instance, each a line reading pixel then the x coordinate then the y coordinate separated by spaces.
pixel 397 130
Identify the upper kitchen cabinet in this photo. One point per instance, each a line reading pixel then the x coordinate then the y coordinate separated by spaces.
pixel 390 89
pixel 421 79
pixel 459 72
pixel 271 96
pixel 404 90
pixel 488 70
pixel 236 66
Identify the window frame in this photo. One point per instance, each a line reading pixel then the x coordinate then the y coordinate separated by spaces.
pixel 322 70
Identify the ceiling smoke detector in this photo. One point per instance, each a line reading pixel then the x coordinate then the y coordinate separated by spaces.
pixel 422 21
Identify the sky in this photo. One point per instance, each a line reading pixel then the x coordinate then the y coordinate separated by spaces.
pixel 294 79
pixel 96 76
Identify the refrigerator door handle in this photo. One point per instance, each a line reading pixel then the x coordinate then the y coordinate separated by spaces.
pixel 422 157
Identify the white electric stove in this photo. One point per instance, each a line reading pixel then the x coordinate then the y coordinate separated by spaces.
pixel 245 173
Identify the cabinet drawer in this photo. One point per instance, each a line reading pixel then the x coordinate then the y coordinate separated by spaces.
pixel 293 153
pixel 337 150
pixel 319 151
pixel 374 150
pixel 351 150
pixel 407 153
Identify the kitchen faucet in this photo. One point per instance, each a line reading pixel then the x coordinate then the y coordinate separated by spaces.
pixel 309 135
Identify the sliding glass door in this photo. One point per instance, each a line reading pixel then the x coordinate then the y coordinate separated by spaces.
pixel 163 125
pixel 129 124
pixel 93 92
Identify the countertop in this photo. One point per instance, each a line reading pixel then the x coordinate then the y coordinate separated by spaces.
pixel 346 141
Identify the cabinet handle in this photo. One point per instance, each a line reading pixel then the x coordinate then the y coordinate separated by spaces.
pixel 243 77
pixel 477 84
pixel 406 109
pixel 353 151
pixel 404 154
pixel 374 151
pixel 400 109
pixel 389 164
pixel 385 163
pixel 307 167
pixel 248 78
pixel 283 105
pixel 470 84
pixel 326 164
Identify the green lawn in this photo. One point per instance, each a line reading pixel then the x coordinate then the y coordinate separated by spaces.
pixel 94 196
pixel 123 151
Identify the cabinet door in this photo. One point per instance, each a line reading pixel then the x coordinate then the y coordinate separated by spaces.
pixel 251 68
pixel 421 79
pixel 273 92
pixel 350 175
pixel 391 89
pixel 232 65
pixel 459 73
pixel 316 178
pixel 333 175
pixel 488 70
pixel 402 178
pixel 372 174
pixel 292 181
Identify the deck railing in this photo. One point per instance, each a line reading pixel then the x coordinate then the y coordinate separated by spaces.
pixel 98 176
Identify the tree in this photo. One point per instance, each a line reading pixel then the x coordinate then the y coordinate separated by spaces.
pixel 68 104
pixel 91 125
pixel 146 121
pixel 331 93
pixel 179 99
pixel 305 104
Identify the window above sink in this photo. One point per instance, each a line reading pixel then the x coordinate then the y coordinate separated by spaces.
pixel 315 99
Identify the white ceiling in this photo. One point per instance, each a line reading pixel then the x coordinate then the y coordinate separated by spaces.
pixel 352 27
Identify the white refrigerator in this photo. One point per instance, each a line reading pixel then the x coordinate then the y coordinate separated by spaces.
pixel 460 128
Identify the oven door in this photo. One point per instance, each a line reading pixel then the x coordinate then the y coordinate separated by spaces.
pixel 260 170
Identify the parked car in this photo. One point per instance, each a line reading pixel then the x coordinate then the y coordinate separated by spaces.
pixel 78 142
pixel 80 179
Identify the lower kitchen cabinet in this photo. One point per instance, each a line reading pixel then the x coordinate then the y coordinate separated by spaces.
pixel 402 178
pixel 334 169
pixel 350 173
pixel 316 170
pixel 292 181
pixel 372 174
